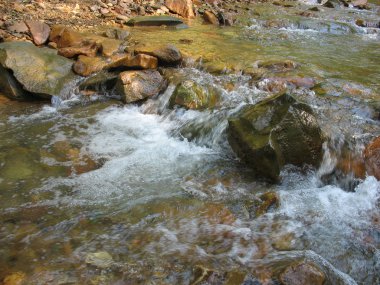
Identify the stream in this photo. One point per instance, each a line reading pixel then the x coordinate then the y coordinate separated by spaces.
pixel 152 195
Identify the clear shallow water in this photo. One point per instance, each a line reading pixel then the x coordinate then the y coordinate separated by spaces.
pixel 161 191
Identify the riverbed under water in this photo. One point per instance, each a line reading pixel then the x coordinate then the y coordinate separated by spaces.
pixel 151 195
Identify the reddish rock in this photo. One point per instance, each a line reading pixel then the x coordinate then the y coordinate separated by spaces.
pixel 39 30
pixel 302 274
pixel 372 158
pixel 210 17
pixel 183 8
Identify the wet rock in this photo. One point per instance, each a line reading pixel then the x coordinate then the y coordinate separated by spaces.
pixel 167 55
pixel 119 34
pixel 302 274
pixel 280 84
pixel 372 158
pixel 154 21
pixel 281 66
pixel 89 50
pixel 101 81
pixel 16 278
pixel 190 95
pixel 267 201
pixel 335 4
pixel 11 87
pixel 39 70
pixel 276 132
pixel 39 30
pixel 137 85
pixel 86 66
pixel 210 17
pixel 141 61
pixel 183 8
pixel 101 259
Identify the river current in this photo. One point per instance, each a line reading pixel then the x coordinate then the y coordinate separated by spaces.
pixel 151 195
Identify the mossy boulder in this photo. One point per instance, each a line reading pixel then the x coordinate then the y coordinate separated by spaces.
pixel 37 70
pixel 276 132
pixel 191 95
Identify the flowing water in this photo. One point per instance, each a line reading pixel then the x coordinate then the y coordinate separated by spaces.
pixel 95 192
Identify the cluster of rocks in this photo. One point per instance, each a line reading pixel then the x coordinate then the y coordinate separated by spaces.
pixel 29 71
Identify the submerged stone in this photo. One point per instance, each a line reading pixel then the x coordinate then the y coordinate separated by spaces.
pixel 276 132
pixel 154 21
pixel 39 70
pixel 191 95
pixel 101 259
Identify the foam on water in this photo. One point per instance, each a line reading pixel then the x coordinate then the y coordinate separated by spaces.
pixel 142 159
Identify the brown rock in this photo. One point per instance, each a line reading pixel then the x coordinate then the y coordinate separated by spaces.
pixel 16 278
pixel 65 37
pixel 86 66
pixel 182 7
pixel 302 274
pixel 210 17
pixel 137 85
pixel 56 32
pixel 39 30
pixel 372 158
pixel 87 50
pixel 141 61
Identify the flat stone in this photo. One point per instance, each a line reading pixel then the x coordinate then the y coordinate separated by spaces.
pixel 154 21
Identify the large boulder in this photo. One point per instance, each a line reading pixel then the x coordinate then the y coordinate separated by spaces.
pixel 372 158
pixel 183 8
pixel 191 95
pixel 38 70
pixel 134 86
pixel 276 132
